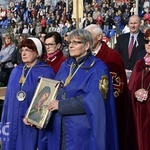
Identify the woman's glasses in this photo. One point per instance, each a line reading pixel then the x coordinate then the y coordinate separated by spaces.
pixel 26 50
pixel 75 42
pixel 146 41
pixel 50 44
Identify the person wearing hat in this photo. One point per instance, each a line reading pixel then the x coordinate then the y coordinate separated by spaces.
pixel 20 90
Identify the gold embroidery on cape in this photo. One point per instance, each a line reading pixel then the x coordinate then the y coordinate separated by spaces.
pixel 103 86
pixel 117 84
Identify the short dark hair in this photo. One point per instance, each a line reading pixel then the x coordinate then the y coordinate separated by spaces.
pixel 57 37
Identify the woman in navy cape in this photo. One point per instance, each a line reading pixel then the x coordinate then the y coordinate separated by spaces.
pixel 84 115
pixel 21 87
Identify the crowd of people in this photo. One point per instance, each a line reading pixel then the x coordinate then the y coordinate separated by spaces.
pixel 105 91
pixel 36 16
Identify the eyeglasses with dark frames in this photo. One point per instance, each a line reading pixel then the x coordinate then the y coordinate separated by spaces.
pixel 146 41
pixel 42 36
pixel 50 44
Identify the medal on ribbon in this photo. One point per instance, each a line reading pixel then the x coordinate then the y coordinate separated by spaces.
pixel 21 95
pixel 71 75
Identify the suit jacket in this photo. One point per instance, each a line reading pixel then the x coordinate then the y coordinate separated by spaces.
pixel 138 51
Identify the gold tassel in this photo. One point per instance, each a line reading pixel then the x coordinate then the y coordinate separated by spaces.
pixel 22 79
pixel 68 79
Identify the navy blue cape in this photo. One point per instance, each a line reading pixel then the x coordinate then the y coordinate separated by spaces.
pixel 95 130
pixel 18 136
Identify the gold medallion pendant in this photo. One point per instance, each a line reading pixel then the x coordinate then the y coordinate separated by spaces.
pixel 71 75
pixel 68 79
pixel 22 79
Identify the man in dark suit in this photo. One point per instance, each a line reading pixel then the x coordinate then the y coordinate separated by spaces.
pixel 123 43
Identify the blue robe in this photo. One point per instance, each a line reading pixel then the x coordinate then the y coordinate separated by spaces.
pixel 18 136
pixel 94 130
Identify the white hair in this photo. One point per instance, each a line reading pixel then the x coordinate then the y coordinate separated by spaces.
pixel 95 28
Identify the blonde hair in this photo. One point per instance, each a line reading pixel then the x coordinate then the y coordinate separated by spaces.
pixel 8 36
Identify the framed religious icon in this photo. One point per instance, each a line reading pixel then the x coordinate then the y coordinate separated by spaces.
pixel 46 91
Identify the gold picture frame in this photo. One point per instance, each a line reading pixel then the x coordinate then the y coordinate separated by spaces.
pixel 46 91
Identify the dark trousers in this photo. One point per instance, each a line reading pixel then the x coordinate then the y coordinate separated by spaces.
pixel 8 72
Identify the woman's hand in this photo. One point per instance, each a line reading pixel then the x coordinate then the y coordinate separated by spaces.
pixel 53 105
pixel 38 127
pixel 26 122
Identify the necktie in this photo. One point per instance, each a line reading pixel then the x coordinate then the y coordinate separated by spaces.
pixel 131 46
